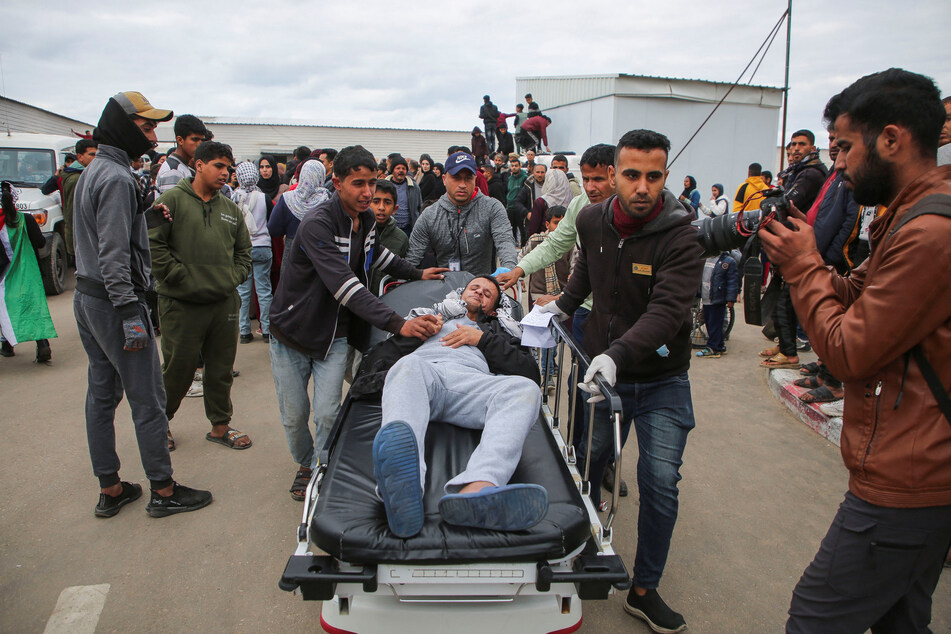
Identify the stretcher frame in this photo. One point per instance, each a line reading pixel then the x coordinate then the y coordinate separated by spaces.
pixel 529 596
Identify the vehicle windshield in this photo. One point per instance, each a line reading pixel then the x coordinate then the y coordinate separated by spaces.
pixel 26 167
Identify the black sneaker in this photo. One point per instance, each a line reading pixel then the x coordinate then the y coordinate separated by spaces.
pixel 248 338
pixel 652 609
pixel 182 500
pixel 6 350
pixel 43 351
pixel 109 505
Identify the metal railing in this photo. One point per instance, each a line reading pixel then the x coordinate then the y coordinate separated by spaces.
pixel 579 365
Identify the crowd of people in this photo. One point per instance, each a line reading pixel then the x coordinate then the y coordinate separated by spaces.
pixel 197 246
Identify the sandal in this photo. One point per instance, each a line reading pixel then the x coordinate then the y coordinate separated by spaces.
pixel 708 352
pixel 769 352
pixel 779 361
pixel 301 480
pixel 171 441
pixel 821 394
pixel 809 369
pixel 810 382
pixel 229 439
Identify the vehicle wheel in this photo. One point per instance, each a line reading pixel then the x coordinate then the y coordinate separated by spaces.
pixel 53 267
pixel 728 320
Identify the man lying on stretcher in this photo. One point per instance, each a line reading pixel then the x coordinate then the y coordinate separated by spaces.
pixel 471 372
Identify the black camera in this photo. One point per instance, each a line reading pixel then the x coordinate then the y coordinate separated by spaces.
pixel 733 231
pixel 738 231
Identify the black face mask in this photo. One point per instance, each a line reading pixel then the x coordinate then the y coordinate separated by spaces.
pixel 116 128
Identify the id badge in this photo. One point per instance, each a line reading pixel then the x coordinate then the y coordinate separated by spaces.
pixel 455 264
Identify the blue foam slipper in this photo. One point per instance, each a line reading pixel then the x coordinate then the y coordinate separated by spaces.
pixel 396 467
pixel 513 507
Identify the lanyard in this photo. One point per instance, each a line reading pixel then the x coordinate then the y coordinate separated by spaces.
pixel 460 231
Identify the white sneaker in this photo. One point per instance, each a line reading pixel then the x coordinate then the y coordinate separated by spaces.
pixel 195 390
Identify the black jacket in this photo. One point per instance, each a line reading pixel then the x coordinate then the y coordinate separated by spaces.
pixel 506 144
pixel 643 288
pixel 318 279
pixel 804 181
pixel 503 352
pixel 497 189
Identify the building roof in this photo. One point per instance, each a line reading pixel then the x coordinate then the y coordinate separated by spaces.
pixel 555 91
pixel 306 123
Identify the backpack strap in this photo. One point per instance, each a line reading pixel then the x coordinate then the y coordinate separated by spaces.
pixel 933 381
pixel 935 204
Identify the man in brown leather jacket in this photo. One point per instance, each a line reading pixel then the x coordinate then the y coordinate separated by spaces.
pixel 880 561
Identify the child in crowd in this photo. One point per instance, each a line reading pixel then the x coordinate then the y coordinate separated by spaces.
pixel 383 206
pixel 550 280
pixel 719 289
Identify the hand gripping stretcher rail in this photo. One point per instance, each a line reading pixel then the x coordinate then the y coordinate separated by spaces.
pixel 449 578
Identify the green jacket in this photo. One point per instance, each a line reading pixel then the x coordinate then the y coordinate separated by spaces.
pixel 393 238
pixel 515 183
pixel 204 252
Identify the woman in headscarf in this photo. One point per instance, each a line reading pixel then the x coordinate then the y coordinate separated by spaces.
pixel 269 181
pixel 555 191
pixel 440 187
pixel 249 198
pixel 426 180
pixel 294 204
pixel 24 315
pixel 690 195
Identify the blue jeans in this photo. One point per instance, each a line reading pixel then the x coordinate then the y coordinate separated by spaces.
pixel 662 413
pixel 292 371
pixel 261 276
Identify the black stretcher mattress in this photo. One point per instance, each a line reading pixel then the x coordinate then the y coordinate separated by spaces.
pixel 350 522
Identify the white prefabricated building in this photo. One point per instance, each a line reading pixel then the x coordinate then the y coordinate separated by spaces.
pixel 591 109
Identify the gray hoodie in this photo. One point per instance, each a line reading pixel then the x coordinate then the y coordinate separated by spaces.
pixel 475 233
pixel 112 242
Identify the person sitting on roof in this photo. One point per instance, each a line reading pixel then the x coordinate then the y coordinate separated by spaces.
pixel 494 387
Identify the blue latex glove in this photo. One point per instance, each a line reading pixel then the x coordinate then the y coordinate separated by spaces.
pixel 499 271
pixel 136 334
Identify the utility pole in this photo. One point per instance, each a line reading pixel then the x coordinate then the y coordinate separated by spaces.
pixel 782 141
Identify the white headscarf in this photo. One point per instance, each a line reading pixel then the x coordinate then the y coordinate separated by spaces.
pixel 555 189
pixel 310 191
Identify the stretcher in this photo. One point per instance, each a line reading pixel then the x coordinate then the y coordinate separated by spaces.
pixel 449 578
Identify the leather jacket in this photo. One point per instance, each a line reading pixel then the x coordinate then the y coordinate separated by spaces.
pixel 895 441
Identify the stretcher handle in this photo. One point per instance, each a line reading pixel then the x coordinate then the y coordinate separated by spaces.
pixel 614 401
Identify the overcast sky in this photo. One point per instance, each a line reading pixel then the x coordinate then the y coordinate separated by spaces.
pixel 427 64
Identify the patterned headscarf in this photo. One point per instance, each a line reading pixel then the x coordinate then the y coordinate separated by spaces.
pixel 248 175
pixel 309 192
pixel 555 189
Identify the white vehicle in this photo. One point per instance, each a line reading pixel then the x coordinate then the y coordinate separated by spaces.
pixel 28 161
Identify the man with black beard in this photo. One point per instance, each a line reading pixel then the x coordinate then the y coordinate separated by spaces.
pixel 884 330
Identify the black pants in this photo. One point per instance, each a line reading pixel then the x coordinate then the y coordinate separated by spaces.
pixel 784 319
pixel 876 568
pixel 827 379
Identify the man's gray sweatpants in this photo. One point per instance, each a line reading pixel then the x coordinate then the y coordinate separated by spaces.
pixel 112 369
pixel 504 407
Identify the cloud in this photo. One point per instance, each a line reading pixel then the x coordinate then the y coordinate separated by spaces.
pixel 427 64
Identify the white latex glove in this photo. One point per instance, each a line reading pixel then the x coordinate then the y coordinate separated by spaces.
pixel 552 307
pixel 603 365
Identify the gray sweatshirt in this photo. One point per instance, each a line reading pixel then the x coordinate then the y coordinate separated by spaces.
pixel 111 238
pixel 474 233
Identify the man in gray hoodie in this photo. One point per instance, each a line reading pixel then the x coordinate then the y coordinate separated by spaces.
pixel 112 274
pixel 465 229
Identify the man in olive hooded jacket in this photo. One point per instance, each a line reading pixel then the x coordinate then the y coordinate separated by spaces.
pixel 198 258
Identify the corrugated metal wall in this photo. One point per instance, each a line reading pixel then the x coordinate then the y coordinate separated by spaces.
pixel 250 140
pixel 20 117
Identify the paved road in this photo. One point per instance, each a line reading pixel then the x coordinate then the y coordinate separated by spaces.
pixel 758 494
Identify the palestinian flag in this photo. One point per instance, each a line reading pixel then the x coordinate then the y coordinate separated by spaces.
pixel 24 315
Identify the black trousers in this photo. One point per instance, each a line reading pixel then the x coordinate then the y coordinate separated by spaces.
pixel 785 321
pixel 876 569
